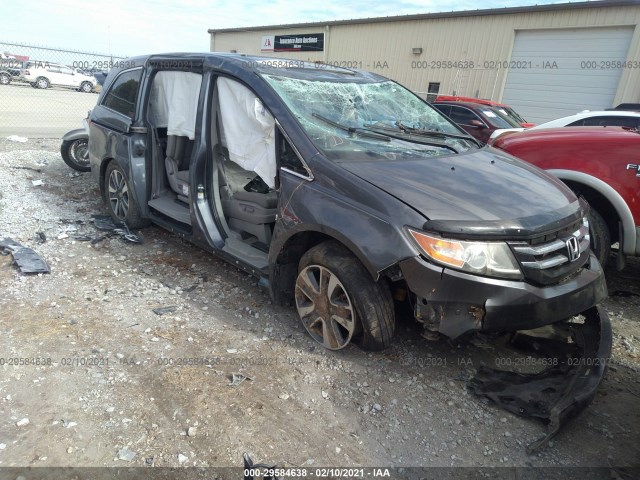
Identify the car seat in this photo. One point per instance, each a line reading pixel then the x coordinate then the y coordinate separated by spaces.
pixel 177 160
pixel 249 212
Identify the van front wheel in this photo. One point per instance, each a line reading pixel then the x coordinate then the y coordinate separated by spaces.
pixel 600 237
pixel 338 301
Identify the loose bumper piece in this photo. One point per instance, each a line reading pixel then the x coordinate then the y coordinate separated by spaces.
pixel 26 258
pixel 562 391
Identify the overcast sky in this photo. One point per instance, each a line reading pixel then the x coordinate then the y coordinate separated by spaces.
pixel 130 27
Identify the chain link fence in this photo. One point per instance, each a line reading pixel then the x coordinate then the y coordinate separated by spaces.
pixel 45 92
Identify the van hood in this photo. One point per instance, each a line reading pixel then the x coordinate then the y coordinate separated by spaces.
pixel 482 190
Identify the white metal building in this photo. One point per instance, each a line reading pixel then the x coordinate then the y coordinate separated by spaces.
pixel 547 61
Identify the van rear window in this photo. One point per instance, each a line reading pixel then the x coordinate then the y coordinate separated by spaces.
pixel 122 95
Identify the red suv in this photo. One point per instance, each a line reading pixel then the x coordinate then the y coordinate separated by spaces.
pixel 602 164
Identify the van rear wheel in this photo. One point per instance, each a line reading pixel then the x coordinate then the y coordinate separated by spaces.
pixel 118 195
pixel 338 302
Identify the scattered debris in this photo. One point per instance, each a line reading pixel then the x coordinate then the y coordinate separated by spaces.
pixel 26 258
pixel 40 237
pixel 23 422
pixel 67 424
pixel 82 238
pixel 105 222
pixel 182 458
pixel 16 138
pixel 237 379
pixel 37 183
pixel 248 464
pixel 192 431
pixel 126 454
pixel 164 310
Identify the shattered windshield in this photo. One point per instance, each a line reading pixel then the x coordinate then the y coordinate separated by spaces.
pixel 381 119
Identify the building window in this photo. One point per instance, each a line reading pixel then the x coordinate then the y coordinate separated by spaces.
pixel 432 91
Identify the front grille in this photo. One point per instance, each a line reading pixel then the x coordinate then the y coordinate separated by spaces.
pixel 553 258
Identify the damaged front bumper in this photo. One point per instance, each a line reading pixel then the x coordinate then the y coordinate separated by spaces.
pixel 560 392
pixel 453 302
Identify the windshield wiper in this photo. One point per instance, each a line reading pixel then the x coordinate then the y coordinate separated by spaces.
pixel 422 131
pixel 392 133
pixel 360 131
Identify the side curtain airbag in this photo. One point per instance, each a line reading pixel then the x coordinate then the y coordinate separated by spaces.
pixel 247 130
pixel 174 102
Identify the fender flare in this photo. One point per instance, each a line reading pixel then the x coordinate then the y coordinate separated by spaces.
pixel 618 203
pixel 75 135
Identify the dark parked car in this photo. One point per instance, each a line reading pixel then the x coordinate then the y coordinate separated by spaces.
pixel 476 119
pixel 342 190
pixel 501 107
pixel 99 74
pixel 9 70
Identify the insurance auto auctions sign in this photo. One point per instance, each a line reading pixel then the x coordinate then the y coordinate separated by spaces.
pixel 307 42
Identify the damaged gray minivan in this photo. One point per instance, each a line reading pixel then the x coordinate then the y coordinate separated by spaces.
pixel 345 193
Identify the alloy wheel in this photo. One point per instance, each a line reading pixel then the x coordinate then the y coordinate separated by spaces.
pixel 118 194
pixel 325 307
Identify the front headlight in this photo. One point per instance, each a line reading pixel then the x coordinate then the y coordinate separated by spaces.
pixel 493 259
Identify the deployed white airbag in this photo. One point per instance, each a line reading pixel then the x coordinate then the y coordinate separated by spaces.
pixel 247 130
pixel 174 102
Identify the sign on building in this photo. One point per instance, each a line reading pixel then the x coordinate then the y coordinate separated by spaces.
pixel 307 42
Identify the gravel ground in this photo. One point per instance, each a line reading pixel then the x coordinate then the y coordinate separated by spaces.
pixel 111 383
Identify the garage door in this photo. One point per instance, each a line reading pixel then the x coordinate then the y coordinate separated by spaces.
pixel 555 73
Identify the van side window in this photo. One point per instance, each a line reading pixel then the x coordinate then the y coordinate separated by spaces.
pixel 122 95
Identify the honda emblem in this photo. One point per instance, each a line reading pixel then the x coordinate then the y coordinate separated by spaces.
pixel 573 249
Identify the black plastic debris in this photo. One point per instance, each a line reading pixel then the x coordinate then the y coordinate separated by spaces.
pixel 40 237
pixel 237 378
pixel 99 239
pixel 164 310
pixel 26 258
pixel 105 223
pixel 563 390
pixel 250 467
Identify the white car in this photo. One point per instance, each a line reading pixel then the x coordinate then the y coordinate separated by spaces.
pixel 45 74
pixel 601 118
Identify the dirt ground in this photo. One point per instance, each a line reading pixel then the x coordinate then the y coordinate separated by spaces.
pixel 90 376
